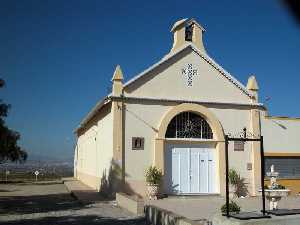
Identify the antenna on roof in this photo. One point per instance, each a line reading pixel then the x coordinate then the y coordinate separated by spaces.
pixel 267 99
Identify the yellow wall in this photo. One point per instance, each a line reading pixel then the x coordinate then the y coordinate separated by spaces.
pixel 292 184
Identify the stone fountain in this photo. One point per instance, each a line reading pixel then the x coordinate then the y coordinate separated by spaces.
pixel 274 192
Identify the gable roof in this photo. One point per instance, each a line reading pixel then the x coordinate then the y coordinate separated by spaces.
pixel 203 55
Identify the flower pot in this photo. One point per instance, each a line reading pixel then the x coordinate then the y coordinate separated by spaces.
pixel 152 191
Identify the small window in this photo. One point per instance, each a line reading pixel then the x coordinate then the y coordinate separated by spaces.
pixel 288 167
pixel 137 143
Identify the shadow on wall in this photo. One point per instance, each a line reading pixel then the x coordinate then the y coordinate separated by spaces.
pixel 112 182
pixel 279 124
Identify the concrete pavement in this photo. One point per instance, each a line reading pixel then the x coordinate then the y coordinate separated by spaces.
pixel 205 207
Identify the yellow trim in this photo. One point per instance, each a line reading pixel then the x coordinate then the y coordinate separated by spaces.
pixel 198 109
pixel 117 113
pixel 283 118
pixel 282 154
pixel 255 151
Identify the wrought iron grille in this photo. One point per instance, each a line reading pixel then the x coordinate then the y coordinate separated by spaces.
pixel 189 125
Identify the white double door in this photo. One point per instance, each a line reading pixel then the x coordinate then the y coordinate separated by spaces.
pixel 192 169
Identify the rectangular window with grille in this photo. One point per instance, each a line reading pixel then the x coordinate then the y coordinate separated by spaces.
pixel 288 167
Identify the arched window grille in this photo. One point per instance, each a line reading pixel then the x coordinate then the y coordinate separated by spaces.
pixel 189 125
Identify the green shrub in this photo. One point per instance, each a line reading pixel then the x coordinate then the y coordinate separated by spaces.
pixel 233 176
pixel 238 182
pixel 277 187
pixel 233 207
pixel 241 187
pixel 153 175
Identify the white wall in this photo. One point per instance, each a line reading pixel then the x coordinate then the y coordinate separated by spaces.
pixel 167 81
pixel 140 121
pixel 94 148
pixel 281 135
pixel 140 118
pixel 233 121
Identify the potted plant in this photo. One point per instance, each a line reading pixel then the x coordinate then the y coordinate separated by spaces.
pixel 153 177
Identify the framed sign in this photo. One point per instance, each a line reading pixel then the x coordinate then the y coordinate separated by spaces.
pixel 239 146
pixel 138 143
pixel 249 166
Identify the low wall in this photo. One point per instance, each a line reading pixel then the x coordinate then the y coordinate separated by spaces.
pixel 157 216
pixel 133 204
pixel 280 220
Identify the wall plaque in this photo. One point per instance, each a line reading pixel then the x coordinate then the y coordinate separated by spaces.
pixel 239 146
pixel 249 166
pixel 138 143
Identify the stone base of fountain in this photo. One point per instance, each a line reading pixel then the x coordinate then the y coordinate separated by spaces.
pixel 274 196
pixel 274 193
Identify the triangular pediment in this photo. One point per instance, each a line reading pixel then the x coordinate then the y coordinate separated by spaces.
pixel 187 74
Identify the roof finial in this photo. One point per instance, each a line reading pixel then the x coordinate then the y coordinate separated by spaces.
pixel 118 74
pixel 252 84
pixel 253 88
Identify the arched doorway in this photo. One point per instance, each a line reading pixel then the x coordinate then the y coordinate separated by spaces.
pixel 190 165
pixel 190 150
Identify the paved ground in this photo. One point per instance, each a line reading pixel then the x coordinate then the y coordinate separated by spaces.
pixel 51 203
pixel 205 207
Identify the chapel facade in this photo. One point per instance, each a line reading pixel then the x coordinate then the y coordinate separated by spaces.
pixel 175 115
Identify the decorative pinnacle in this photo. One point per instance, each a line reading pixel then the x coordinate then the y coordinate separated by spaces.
pixel 252 84
pixel 118 74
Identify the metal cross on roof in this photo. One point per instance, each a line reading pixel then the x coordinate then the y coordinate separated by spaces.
pixel 189 72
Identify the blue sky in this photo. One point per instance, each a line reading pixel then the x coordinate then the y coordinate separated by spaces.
pixel 57 57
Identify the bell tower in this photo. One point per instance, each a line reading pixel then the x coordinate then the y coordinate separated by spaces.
pixel 186 31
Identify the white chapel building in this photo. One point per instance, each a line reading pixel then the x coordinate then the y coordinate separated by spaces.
pixel 175 115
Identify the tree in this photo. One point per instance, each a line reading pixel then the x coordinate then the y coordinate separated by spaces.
pixel 9 149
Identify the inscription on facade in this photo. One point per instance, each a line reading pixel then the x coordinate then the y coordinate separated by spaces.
pixel 239 146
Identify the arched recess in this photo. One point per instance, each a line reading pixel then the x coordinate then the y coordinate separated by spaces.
pixel 198 109
pixel 218 138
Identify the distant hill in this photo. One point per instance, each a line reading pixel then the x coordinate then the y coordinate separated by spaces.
pixel 44 158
